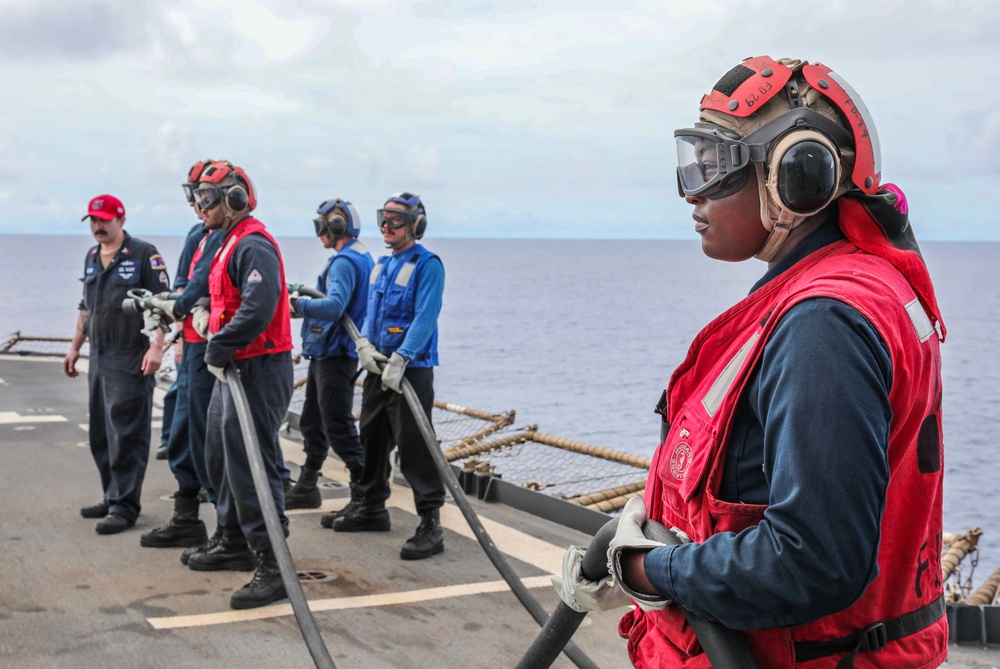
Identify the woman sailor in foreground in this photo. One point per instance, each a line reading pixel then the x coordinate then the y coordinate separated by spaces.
pixel 801 445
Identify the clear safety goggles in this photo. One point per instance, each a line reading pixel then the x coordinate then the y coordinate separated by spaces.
pixel 189 192
pixel 394 218
pixel 208 197
pixel 711 161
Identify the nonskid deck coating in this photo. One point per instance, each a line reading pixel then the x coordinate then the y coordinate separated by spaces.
pixel 72 598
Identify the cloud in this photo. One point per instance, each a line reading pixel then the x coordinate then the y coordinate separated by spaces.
pixel 88 30
pixel 553 118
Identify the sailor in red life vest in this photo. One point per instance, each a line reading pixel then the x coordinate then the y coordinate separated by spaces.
pixel 249 324
pixel 801 447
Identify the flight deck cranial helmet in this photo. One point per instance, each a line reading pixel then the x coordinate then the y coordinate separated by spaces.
pixel 337 218
pixel 223 183
pixel 414 216
pixel 806 132
pixel 194 174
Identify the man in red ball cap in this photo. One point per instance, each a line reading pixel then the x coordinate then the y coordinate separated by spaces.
pixel 125 351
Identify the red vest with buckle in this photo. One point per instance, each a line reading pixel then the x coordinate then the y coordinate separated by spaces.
pixel 191 335
pixel 687 469
pixel 226 300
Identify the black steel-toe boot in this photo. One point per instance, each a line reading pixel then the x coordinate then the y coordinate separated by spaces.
pixel 304 494
pixel 367 517
pixel 265 587
pixel 326 520
pixel 231 553
pixel 183 530
pixel 208 545
pixel 428 540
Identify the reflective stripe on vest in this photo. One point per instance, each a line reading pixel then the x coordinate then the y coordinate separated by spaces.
pixel 701 402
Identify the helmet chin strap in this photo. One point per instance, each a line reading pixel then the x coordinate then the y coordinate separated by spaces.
pixel 777 220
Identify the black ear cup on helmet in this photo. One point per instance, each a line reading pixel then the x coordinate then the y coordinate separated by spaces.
pixel 419 224
pixel 337 225
pixel 237 199
pixel 807 177
pixel 805 171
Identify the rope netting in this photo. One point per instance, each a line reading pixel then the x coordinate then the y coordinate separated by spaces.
pixel 584 474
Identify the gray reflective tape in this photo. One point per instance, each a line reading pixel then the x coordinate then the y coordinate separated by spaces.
pixel 405 272
pixel 360 247
pixel 921 321
pixel 713 398
pixel 376 270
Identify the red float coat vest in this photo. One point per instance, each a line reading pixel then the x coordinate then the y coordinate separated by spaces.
pixel 687 469
pixel 277 338
pixel 191 335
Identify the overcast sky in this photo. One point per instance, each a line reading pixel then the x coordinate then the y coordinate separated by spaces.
pixel 511 118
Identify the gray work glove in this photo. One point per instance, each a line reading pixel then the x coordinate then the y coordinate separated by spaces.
pixel 582 595
pixel 166 302
pixel 199 318
pixel 392 375
pixel 151 322
pixel 629 536
pixel 219 372
pixel 294 300
pixel 368 356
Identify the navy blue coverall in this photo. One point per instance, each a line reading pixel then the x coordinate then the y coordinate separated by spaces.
pixel 186 448
pixel 121 397
pixel 267 379
pixel 180 280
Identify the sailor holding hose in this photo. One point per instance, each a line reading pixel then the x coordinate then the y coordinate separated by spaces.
pixel 327 419
pixel 801 446
pixel 404 300
pixel 250 325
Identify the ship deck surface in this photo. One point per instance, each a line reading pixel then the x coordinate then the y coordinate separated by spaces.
pixel 72 598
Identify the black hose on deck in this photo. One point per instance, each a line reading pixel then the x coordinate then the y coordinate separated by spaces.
pixel 574 653
pixel 724 647
pixel 307 624
pixel 564 621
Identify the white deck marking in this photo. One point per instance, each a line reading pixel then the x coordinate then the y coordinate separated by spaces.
pixel 516 544
pixel 342 603
pixel 9 417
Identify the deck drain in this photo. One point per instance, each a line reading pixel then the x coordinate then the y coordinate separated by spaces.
pixel 316 576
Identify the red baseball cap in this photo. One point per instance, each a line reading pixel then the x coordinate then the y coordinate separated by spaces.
pixel 106 207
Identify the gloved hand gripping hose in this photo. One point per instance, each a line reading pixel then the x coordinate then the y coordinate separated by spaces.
pixel 307 624
pixel 574 653
pixel 725 648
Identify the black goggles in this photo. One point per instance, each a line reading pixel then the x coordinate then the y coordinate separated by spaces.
pixel 321 226
pixel 189 192
pixel 394 218
pixel 208 197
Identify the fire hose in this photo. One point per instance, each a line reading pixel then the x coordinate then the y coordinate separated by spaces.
pixel 289 574
pixel 725 648
pixel 532 605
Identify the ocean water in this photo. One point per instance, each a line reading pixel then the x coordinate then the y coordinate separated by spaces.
pixel 580 337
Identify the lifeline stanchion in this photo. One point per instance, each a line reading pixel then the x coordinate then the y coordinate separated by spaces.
pixel 574 653
pixel 725 648
pixel 303 616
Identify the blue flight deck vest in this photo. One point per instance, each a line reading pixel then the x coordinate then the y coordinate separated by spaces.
pixel 327 339
pixel 392 299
